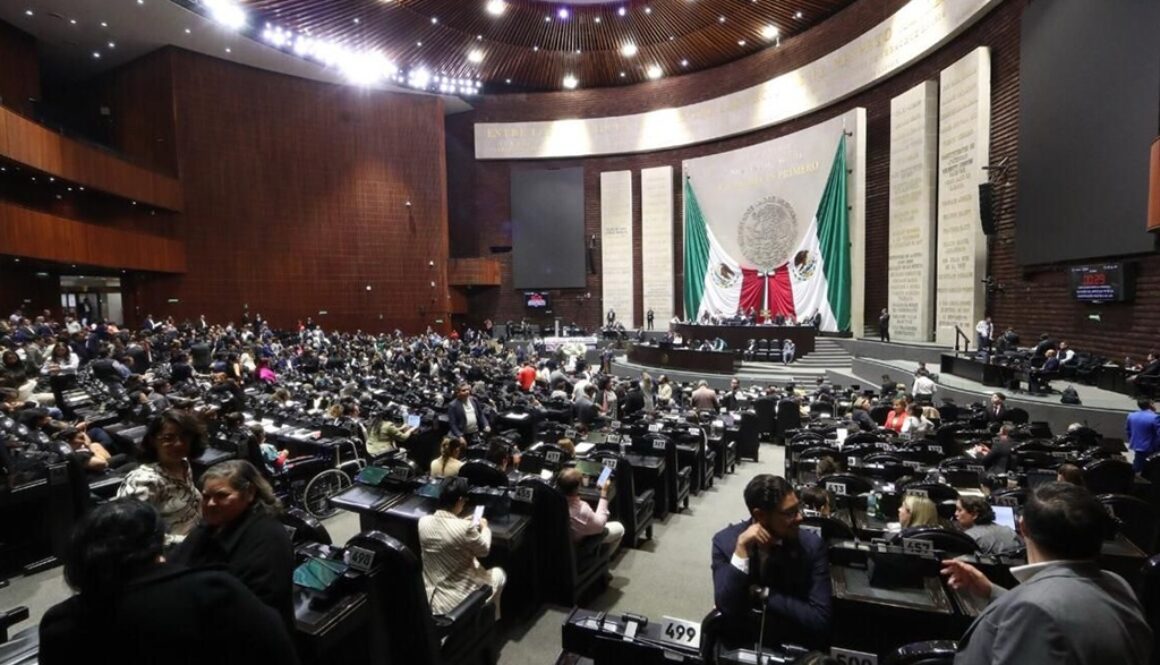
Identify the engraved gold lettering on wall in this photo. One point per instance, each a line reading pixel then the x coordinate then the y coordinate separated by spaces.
pixel 913 165
pixel 616 243
pixel 964 134
pixel 656 243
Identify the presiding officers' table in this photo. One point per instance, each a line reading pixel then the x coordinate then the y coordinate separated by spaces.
pixel 737 337
pixel 713 362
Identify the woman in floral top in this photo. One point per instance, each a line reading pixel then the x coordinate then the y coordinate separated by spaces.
pixel 164 480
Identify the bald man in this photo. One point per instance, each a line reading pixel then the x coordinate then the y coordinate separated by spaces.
pixel 583 521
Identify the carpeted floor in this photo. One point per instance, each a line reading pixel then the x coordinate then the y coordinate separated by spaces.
pixel 667 576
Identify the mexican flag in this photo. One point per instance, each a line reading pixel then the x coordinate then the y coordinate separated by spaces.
pixel 814 280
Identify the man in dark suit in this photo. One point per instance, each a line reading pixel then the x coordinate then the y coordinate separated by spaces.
pixel 997 411
pixel 732 399
pixel 465 415
pixel 1142 430
pixel 584 408
pixel 649 318
pixel 1045 343
pixel 767 559
pixel 1065 609
pixel 884 326
pixel 1035 377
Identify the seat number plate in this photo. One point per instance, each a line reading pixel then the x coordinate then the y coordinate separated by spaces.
pixel 680 632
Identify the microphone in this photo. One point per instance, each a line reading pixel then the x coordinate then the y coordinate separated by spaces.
pixel 762 594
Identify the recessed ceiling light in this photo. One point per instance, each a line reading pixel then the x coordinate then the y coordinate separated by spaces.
pixel 563 13
pixel 655 72
pixel 720 19
pixel 479 38
pixel 535 48
pixel 188 31
pixel 496 7
pixel 741 42
pixel 434 19
pixel 570 82
pixel 597 19
pixel 622 11
pixel 508 81
pixel 475 56
pixel 648 10
pixel 769 32
pixel 797 15
pixel 112 44
pixel 97 55
pixel 628 50
pixel 577 51
pixel 104 24
pixel 28 12
pixel 229 50
pixel 622 75
pixel 140 2
pixel 418 43
pixel 547 19
pixel 684 63
pixel 356 20
pixel 72 21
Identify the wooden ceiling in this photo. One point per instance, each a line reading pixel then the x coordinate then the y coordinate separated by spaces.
pixel 533 44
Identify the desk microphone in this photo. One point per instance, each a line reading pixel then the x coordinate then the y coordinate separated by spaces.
pixel 762 594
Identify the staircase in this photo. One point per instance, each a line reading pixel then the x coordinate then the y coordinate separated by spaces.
pixel 827 355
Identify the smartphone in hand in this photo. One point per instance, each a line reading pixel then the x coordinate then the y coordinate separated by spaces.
pixel 477 515
pixel 604 476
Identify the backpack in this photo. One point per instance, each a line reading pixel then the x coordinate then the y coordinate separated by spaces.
pixel 1070 396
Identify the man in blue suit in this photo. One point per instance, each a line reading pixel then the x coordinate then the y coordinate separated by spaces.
pixel 1143 433
pixel 768 554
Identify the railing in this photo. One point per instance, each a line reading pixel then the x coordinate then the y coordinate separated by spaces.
pixel 960 335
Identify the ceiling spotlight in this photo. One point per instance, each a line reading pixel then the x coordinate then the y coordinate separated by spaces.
pixel 622 75
pixel 684 63
pixel 597 19
pixel 434 20
pixel 720 19
pixel 547 19
pixel 769 32
pixel 577 51
pixel 475 56
pixel 797 15
pixel 28 12
pixel 655 72
pixel 570 82
pixel 622 11
pixel 112 44
pixel 563 13
pixel 104 24
pixel 628 50
pixel 535 48
pixel 72 21
pixel 741 42
pixel 419 78
pixel 357 20
pixel 188 31
pixel 229 50
pixel 648 10
pixel 97 55
pixel 496 7
pixel 507 81
pixel 227 12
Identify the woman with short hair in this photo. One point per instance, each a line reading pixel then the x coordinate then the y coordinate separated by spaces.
pixel 976 518
pixel 164 480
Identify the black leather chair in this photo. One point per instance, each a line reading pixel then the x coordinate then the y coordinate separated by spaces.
pixel 303 527
pixel 567 571
pixel 1148 591
pixel 748 440
pixel 1137 520
pixel 482 473
pixel 766 409
pixel 1109 476
pixel 940 652
pixel 851 484
pixel 634 510
pixel 953 543
pixel 679 478
pixel 1017 416
pixel 831 528
pixel 937 492
pixel 880 413
pixel 774 353
pixel 789 417
pixel 1009 497
pixel 415 635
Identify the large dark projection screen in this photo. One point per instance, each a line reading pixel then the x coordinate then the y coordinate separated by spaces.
pixel 1089 107
pixel 548 229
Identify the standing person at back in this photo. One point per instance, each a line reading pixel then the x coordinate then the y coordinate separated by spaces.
pixel 884 326
pixel 1065 609
pixel 1142 430
pixel 705 398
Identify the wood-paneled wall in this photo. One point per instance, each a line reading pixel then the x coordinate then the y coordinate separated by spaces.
pixel 25 142
pixel 30 233
pixel 296 201
pixel 19 70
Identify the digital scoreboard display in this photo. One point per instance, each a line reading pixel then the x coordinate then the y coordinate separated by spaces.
pixel 536 300
pixel 1102 283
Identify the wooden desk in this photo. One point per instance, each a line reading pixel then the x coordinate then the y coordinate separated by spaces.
pixel 737 337
pixel 713 362
pixel 987 374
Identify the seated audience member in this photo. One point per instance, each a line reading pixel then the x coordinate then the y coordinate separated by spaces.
pixel 131 606
pixel 705 398
pixel 1036 377
pixel 451 547
pixel 916 513
pixel 916 425
pixel 976 518
pixel 769 550
pixel 896 420
pixel 385 435
pixel 584 521
pixel 1065 609
pixel 788 351
pixel 861 415
pixel 502 454
pixel 1069 473
pixel 92 455
pixel 240 531
pixel 448 463
pixel 465 415
pixel 584 408
pixel 1067 355
pixel 817 500
pixel 164 479
pixel 996 456
pixel 567 446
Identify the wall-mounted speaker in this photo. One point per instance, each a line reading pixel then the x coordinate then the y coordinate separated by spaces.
pixel 986 207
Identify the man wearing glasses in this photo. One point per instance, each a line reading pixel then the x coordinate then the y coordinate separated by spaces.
pixel 766 558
